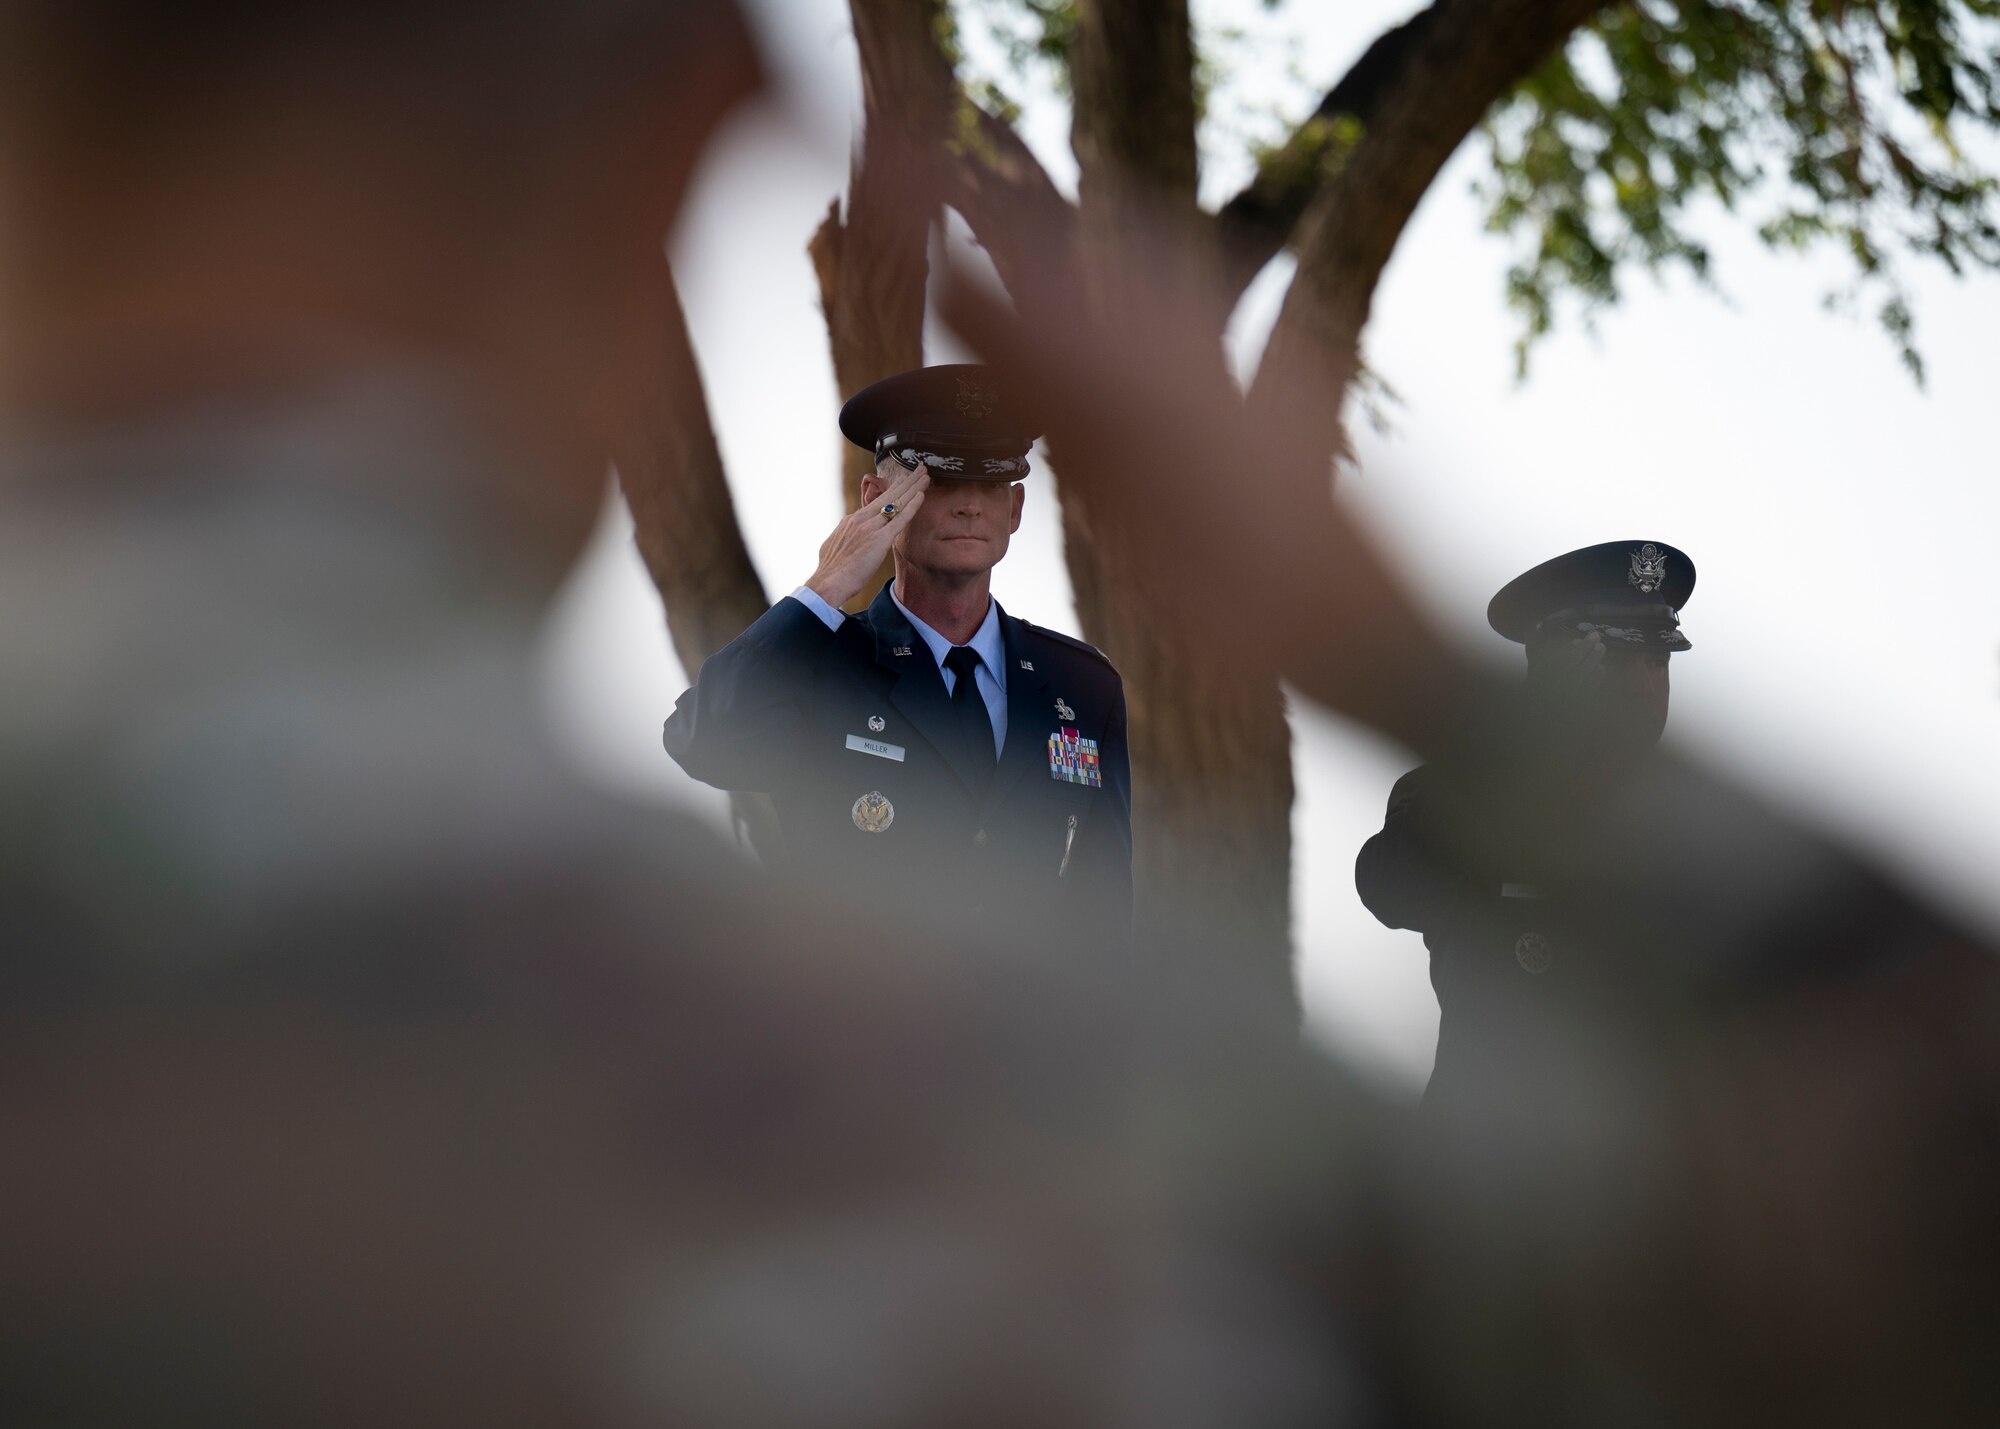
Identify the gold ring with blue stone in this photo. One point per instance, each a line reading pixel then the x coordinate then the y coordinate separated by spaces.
pixel 889 508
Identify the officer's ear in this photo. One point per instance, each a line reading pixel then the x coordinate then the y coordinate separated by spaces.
pixel 1020 495
pixel 872 486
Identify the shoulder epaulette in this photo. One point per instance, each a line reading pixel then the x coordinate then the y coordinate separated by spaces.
pixel 1075 644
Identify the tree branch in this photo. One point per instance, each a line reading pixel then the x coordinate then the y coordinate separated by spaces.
pixel 682 514
pixel 871 260
pixel 1462 62
pixel 1004 194
pixel 1258 222
pixel 1132 71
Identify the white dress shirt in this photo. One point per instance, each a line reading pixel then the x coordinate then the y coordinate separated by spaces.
pixel 991 676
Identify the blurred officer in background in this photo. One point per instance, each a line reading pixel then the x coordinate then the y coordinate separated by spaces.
pixel 933 752
pixel 1599 625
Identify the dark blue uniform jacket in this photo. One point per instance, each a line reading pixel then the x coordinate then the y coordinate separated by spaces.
pixel 852 734
pixel 1525 985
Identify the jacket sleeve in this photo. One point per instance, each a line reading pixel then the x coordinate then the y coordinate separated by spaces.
pixel 1400 873
pixel 744 720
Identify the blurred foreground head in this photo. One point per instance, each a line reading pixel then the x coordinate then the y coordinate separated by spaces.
pixel 358 1065
pixel 221 201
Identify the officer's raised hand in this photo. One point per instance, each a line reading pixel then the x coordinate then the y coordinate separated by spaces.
pixel 851 555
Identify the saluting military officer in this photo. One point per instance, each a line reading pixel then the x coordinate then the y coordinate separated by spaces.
pixel 1518 976
pixel 932 755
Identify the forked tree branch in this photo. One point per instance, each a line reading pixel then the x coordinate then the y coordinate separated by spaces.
pixel 1454 70
pixel 1259 221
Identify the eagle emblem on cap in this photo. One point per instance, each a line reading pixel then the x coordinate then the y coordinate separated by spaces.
pixel 977 397
pixel 1649 568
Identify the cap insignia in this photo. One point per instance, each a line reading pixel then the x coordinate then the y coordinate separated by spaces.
pixel 976 398
pixel 1649 568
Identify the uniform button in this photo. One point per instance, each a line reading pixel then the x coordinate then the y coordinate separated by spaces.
pixel 1535 953
pixel 979 839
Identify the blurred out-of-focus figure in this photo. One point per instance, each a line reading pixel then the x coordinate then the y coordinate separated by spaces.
pixel 357 1064
pixel 1599 625
pixel 933 751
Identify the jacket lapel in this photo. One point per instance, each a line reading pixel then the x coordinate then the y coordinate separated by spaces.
pixel 1029 708
pixel 918 686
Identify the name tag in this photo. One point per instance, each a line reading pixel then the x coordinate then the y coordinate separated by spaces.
pixel 1521 890
pixel 875 747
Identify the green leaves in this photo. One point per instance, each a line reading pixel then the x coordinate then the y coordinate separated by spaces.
pixel 1836 121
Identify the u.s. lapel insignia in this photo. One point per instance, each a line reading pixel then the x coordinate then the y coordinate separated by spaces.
pixel 900 650
pixel 876 724
pixel 1063 711
pixel 873 813
pixel 1649 568
pixel 1027 664
pixel 1074 759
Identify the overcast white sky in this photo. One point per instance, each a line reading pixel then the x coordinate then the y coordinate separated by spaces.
pixel 1846 526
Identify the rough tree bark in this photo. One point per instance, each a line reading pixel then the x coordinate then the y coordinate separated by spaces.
pixel 684 522
pixel 682 515
pixel 872 261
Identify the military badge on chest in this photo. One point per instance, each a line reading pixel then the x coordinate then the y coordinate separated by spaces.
pixel 872 813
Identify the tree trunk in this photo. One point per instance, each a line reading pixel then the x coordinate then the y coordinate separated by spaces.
pixel 1211 750
pixel 683 517
pixel 872 263
pixel 684 522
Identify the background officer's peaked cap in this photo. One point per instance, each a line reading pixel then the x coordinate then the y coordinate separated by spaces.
pixel 955 419
pixel 1630 592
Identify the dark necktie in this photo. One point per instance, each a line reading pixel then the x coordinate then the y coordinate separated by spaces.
pixel 973 722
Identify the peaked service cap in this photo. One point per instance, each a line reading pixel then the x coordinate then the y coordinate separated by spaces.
pixel 1630 592
pixel 955 418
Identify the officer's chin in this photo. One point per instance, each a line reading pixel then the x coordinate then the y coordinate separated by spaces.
pixel 965 555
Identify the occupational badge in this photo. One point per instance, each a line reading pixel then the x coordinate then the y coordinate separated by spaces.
pixel 873 813
pixel 877 724
pixel 1063 711
pixel 1074 759
pixel 1535 953
pixel 1649 568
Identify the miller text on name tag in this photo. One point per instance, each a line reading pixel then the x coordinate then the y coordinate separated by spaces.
pixel 875 747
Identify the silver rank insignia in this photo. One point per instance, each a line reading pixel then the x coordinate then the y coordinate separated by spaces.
pixel 1649 568
pixel 877 724
pixel 1063 711
pixel 873 813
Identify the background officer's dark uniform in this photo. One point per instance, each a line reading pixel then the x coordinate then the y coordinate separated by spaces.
pixel 880 798
pixel 1513 963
